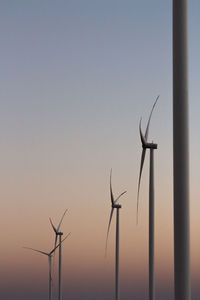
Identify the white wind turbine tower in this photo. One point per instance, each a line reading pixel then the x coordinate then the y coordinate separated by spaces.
pixel 152 147
pixel 50 263
pixel 59 233
pixel 114 205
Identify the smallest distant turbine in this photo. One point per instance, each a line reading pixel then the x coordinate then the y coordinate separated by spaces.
pixel 49 254
pixel 115 205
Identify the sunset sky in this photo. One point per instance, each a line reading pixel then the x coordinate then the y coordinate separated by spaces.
pixel 76 76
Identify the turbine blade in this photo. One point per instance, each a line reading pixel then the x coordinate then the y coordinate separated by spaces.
pixel 110 219
pixel 55 243
pixel 56 238
pixel 54 228
pixel 58 228
pixel 36 250
pixel 111 193
pixel 59 244
pixel 56 232
pixel 147 129
pixel 142 137
pixel 52 251
pixel 120 196
pixel 140 174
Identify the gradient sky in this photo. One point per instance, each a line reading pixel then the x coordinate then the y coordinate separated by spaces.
pixel 76 76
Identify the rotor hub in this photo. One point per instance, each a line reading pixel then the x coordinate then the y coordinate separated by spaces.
pixel 151 146
pixel 60 233
pixel 116 206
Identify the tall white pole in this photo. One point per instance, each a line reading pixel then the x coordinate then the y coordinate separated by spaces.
pixel 60 270
pixel 151 227
pixel 50 279
pixel 117 257
pixel 181 152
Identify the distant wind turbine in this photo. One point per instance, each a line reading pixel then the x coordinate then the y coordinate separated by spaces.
pixel 114 205
pixel 59 233
pixel 49 260
pixel 152 147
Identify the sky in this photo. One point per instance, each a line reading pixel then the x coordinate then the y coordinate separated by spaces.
pixel 76 76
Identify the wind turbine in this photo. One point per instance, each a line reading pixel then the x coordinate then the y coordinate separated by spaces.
pixel 49 260
pixel 152 147
pixel 59 233
pixel 114 205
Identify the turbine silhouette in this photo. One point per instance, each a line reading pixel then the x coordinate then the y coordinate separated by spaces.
pixel 152 147
pixel 114 205
pixel 49 254
pixel 59 233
